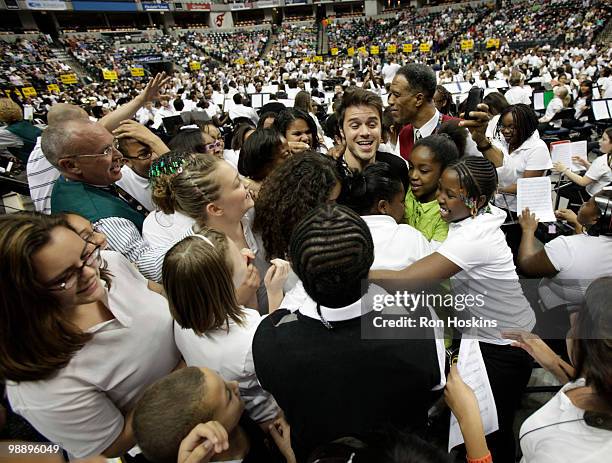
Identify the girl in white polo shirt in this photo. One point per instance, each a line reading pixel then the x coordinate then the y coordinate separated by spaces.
pixel 200 274
pixel 598 174
pixel 479 262
pixel 570 263
pixel 517 153
pixel 81 334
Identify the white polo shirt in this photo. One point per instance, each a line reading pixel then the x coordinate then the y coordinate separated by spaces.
pixel 478 246
pixel 600 173
pixel 160 230
pixel 228 352
pixel 136 186
pixel 531 155
pixel 579 259
pixel 396 246
pixel 83 405
pixel 556 442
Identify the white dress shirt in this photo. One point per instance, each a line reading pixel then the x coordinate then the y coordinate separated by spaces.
pixel 41 178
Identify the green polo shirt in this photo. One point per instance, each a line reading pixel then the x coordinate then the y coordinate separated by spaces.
pixel 425 217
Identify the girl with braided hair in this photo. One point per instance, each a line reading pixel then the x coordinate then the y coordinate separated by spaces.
pixel 479 262
pixel 517 151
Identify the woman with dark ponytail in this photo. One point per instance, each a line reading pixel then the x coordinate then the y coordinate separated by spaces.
pixel 479 262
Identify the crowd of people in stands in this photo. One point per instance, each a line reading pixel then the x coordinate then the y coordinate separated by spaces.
pixel 209 275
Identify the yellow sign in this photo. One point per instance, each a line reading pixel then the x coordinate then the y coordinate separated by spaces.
pixel 493 43
pixel 374 49
pixel 362 50
pixel 8 93
pixel 391 48
pixel 307 59
pixel 467 44
pixel 196 66
pixel 334 51
pixel 351 51
pixel 425 47
pixel 109 75
pixel 53 88
pixel 18 93
pixel 68 78
pixel 28 91
pixel 137 72
pixel 317 59
pixel 407 48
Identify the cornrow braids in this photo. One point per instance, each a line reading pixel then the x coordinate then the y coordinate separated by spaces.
pixel 478 177
pixel 524 119
pixel 331 251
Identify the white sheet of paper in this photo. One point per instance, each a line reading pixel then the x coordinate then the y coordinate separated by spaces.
pixel 498 84
pixel 538 101
pixel 287 103
pixel 579 149
pixel 265 98
pixel 609 102
pixel 464 87
pixel 453 88
pixel 28 112
pixel 600 109
pixel 535 193
pixel 257 100
pixel 490 90
pixel 269 89
pixel 596 93
pixel 564 152
pixel 473 372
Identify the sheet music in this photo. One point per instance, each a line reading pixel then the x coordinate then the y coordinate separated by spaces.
pixel 473 372
pixel 28 112
pixel 538 101
pixel 257 100
pixel 490 90
pixel 564 152
pixel 287 103
pixel 498 84
pixel 464 87
pixel 600 109
pixel 596 93
pixel 535 193
pixel 265 98
pixel 453 88
pixel 609 102
pixel 269 89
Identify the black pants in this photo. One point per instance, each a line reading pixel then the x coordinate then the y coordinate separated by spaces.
pixel 509 369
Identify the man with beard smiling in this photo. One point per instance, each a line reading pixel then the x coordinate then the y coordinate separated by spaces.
pixel 360 124
pixel 87 156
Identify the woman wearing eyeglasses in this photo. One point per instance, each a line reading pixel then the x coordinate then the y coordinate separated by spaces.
pixel 517 153
pixel 81 335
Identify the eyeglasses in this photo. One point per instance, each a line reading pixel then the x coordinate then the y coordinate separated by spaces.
pixel 509 128
pixel 93 260
pixel 140 157
pixel 212 146
pixel 108 151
